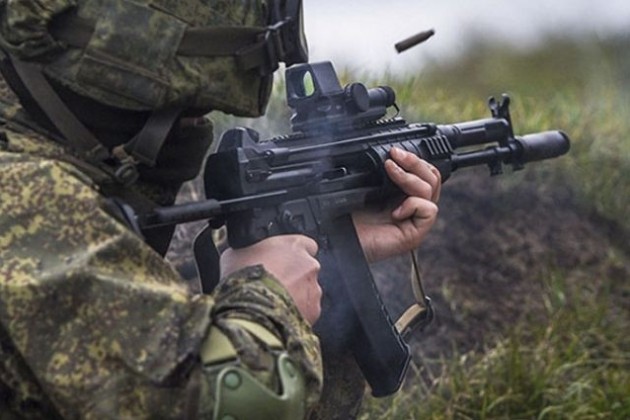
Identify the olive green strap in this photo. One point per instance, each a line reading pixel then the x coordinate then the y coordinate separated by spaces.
pixel 147 144
pixel 217 348
pixel 260 332
pixel 74 132
pixel 143 148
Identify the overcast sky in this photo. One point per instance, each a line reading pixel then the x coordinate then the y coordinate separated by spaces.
pixel 362 33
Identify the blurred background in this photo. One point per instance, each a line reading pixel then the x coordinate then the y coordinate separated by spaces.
pixel 362 35
pixel 529 272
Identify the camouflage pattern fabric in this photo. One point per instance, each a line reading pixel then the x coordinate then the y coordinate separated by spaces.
pixel 94 324
pixel 131 60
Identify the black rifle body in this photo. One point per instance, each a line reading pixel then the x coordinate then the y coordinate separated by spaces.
pixel 311 181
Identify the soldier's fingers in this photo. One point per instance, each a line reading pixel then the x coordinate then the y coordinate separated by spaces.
pixel 411 184
pixel 298 242
pixel 414 170
pixel 309 244
pixel 416 208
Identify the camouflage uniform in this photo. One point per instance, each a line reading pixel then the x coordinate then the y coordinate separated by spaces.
pixel 94 323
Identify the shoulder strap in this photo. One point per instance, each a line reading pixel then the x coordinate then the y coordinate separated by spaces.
pixel 143 148
pixel 76 135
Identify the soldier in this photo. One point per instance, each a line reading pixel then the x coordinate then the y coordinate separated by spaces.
pixel 102 102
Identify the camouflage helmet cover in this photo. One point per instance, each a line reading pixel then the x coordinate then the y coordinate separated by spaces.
pixel 132 59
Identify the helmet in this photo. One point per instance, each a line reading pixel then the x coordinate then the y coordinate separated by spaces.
pixel 163 58
pixel 152 54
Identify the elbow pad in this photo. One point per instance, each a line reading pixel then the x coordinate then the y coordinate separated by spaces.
pixel 238 395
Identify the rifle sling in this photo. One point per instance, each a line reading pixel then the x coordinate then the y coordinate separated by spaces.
pixel 420 313
pixel 143 148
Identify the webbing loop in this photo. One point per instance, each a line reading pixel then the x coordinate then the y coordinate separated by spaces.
pixel 419 314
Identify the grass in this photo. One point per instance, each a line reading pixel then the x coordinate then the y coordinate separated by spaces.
pixel 574 365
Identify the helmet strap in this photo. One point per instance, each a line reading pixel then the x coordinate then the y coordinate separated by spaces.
pixel 75 134
pixel 146 145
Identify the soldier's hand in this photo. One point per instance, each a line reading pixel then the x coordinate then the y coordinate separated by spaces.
pixel 387 233
pixel 291 260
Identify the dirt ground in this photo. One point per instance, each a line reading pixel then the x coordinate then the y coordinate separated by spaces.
pixel 493 252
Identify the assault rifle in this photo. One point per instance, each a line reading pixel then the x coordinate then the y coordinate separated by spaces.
pixel 310 181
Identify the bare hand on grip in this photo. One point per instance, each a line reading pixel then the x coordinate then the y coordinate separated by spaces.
pixel 291 260
pixel 387 233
